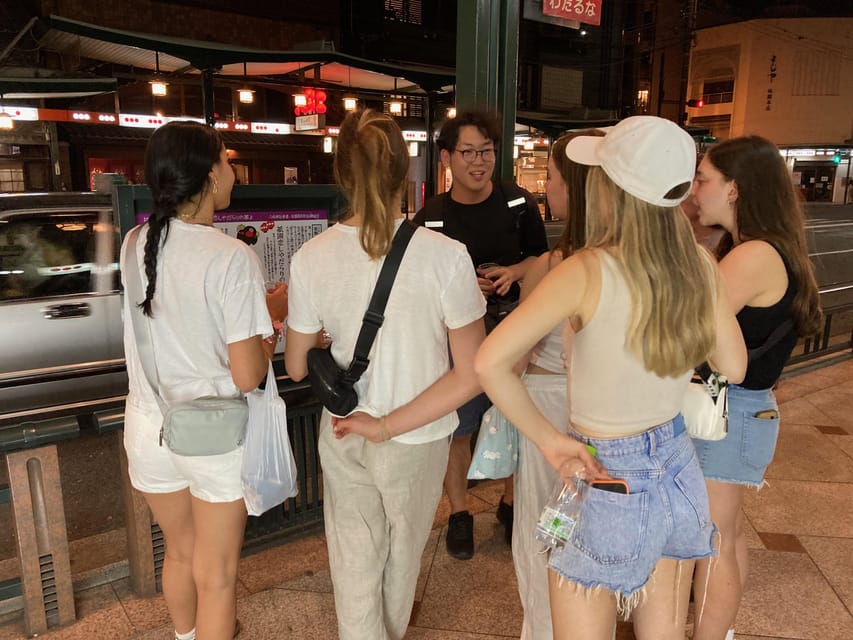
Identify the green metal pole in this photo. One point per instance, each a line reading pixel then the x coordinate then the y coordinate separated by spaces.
pixel 487 63
pixel 508 81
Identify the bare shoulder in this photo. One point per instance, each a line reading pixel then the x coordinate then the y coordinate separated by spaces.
pixel 755 274
pixel 753 257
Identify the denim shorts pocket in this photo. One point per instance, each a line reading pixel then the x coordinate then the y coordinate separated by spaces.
pixel 691 483
pixel 612 526
pixel 758 441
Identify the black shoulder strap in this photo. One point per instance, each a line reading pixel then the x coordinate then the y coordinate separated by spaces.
pixel 778 333
pixel 373 317
pixel 704 369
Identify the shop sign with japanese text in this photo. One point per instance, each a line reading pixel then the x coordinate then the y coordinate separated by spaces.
pixel 586 11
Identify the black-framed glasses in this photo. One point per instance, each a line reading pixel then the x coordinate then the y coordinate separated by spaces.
pixel 470 155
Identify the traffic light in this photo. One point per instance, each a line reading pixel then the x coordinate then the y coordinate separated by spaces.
pixel 697 103
pixel 836 158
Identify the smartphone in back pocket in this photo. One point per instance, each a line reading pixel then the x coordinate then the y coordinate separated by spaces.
pixel 767 414
pixel 614 485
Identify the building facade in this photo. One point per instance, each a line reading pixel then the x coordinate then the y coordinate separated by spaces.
pixel 788 80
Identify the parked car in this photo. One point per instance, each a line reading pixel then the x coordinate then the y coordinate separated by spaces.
pixel 60 304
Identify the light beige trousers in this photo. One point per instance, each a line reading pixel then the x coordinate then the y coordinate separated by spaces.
pixel 534 482
pixel 379 503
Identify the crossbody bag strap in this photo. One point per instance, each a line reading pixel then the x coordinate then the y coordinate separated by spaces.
pixel 373 317
pixel 705 372
pixel 138 320
pixel 780 332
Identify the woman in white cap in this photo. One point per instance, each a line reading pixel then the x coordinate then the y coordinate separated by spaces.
pixel 647 306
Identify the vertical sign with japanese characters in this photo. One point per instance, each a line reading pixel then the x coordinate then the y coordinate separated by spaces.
pixel 772 76
pixel 586 11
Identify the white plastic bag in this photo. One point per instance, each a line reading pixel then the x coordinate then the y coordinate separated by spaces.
pixel 268 472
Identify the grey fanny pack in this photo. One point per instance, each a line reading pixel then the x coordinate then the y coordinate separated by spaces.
pixel 206 426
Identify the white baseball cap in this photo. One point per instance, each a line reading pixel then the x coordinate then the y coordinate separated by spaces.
pixel 646 156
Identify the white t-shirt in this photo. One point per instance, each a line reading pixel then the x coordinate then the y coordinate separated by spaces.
pixel 331 282
pixel 210 292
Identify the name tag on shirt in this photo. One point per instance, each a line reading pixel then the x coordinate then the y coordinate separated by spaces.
pixel 515 203
pixel 435 224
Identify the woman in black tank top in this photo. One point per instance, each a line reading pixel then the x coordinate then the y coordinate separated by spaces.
pixel 743 186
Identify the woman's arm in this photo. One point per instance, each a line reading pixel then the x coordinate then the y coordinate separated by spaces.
pixel 559 296
pixel 296 353
pixel 249 362
pixel 729 356
pixel 446 394
pixel 249 359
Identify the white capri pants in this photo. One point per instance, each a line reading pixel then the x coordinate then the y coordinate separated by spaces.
pixel 533 484
pixel 379 503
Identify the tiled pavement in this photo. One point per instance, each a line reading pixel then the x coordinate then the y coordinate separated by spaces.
pixel 800 533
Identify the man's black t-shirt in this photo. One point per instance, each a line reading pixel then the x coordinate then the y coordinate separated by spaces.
pixel 490 230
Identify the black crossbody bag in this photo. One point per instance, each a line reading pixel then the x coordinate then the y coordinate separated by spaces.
pixel 335 387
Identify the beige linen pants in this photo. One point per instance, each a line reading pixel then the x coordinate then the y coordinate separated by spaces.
pixel 379 503
pixel 534 482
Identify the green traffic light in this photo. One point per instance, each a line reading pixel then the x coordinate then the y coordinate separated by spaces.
pixel 837 158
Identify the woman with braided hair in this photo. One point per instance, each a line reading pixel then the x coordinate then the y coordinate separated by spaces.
pixel 211 335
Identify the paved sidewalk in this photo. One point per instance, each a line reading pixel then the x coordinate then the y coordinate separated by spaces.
pixel 800 537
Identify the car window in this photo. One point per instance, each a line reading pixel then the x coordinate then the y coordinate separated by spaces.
pixel 46 256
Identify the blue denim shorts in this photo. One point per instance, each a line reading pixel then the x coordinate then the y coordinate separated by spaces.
pixel 471 415
pixel 743 455
pixel 619 538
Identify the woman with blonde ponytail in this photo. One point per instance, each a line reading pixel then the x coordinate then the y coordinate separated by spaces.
pixel 383 464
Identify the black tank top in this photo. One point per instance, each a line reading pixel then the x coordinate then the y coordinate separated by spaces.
pixel 757 323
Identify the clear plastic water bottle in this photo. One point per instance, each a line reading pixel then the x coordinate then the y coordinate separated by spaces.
pixel 561 513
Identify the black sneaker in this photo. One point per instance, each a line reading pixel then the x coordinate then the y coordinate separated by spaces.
pixel 504 514
pixel 460 535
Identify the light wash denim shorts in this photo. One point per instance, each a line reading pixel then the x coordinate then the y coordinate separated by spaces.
pixel 743 455
pixel 619 538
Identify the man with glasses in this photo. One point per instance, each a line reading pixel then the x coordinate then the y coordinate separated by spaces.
pixel 499 224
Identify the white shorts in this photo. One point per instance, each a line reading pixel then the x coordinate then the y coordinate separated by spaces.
pixel 155 469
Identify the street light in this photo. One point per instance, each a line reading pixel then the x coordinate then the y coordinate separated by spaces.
pixel 159 87
pixel 246 95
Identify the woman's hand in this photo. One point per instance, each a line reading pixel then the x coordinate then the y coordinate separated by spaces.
pixel 570 458
pixel 361 424
pixel 277 302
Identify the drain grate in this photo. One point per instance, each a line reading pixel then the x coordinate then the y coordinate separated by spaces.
pixel 50 598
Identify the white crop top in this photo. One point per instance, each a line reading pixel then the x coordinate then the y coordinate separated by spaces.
pixel 548 351
pixel 611 391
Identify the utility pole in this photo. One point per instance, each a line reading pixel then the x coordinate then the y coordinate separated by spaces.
pixel 689 20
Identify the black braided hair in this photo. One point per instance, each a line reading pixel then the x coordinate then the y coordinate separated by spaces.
pixel 178 160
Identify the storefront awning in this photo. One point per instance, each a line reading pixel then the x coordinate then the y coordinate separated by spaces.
pixel 181 55
pixel 38 88
pixel 555 124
